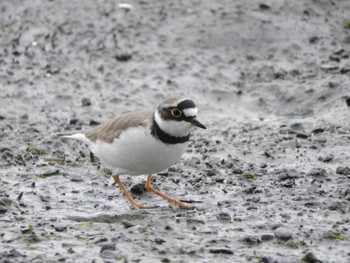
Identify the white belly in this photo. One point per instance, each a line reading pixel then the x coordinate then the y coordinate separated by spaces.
pixel 137 152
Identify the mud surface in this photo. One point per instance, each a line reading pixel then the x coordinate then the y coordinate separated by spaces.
pixel 270 177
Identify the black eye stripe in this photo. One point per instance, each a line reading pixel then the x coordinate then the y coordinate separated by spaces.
pixel 186 104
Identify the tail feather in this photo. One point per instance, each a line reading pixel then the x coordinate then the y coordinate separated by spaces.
pixel 75 135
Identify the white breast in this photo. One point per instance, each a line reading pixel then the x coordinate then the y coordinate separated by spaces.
pixel 137 152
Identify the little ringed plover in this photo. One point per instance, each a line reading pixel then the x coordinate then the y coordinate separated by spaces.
pixel 139 143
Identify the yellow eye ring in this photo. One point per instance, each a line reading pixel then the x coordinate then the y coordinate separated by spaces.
pixel 176 112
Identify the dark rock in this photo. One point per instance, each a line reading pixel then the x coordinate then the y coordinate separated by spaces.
pixel 267 237
pixel 237 170
pixel 283 234
pixel 318 172
pixel 224 216
pixel 221 250
pixel 48 173
pixel 159 240
pixel 13 253
pixel 347 100
pixel 123 57
pixel 318 130
pixel 73 121
pixel 85 102
pixel 314 39
pixel 345 69
pixel 213 172
pixel 108 246
pixel 266 259
pixel 264 6
pixel 329 67
pixel 343 170
pixel 4 201
pixel 310 258
pixel 326 159
pixel 94 123
pixel 138 189
pixel 195 221
pixel 60 228
pixel 3 209
pixel 251 240
pixel 76 178
pixel 128 224
pixel 297 126
pixel 302 135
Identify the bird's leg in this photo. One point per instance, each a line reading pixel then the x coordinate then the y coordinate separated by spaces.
pixel 150 188
pixel 127 195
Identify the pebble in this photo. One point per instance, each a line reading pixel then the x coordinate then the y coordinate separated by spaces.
pixel 267 237
pixel 76 178
pixel 221 250
pixel 326 158
pixel 224 216
pixel 318 172
pixel 138 189
pixel 329 67
pixel 60 228
pixel 128 224
pixel 108 246
pixel 343 170
pixel 251 240
pixel 283 233
pixel 85 102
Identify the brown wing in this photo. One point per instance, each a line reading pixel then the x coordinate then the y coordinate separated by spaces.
pixel 112 129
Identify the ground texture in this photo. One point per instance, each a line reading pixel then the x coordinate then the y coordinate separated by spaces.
pixel 270 177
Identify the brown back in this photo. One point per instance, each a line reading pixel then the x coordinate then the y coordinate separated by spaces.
pixel 112 129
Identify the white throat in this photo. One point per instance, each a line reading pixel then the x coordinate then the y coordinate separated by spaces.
pixel 173 128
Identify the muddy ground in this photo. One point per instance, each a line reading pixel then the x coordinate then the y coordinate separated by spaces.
pixel 270 177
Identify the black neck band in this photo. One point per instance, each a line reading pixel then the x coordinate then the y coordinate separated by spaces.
pixel 166 138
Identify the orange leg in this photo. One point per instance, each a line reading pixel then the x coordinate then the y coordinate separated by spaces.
pixel 150 188
pixel 127 195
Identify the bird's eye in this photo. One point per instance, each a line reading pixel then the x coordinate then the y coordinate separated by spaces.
pixel 176 112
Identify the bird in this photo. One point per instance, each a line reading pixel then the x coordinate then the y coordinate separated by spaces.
pixel 143 142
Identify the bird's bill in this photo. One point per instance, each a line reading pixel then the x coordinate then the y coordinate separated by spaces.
pixel 195 122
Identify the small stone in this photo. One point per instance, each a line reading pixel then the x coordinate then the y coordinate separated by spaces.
pixel 213 172
pixel 138 189
pixel 221 250
pixel 60 228
pixel 4 201
pixel 347 100
pixel 283 234
pixel 76 178
pixel 318 172
pixel 343 170
pixel 267 237
pixel 85 102
pixel 345 69
pixel 302 135
pixel 123 57
pixel 159 240
pixel 128 224
pixel 318 130
pixel 329 67
pixel 310 258
pixel 3 209
pixel 224 216
pixel 15 253
pixel 108 246
pixel 251 240
pixel 326 159
pixel 237 170
pixel 264 6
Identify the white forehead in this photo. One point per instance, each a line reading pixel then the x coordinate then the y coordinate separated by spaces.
pixel 190 112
